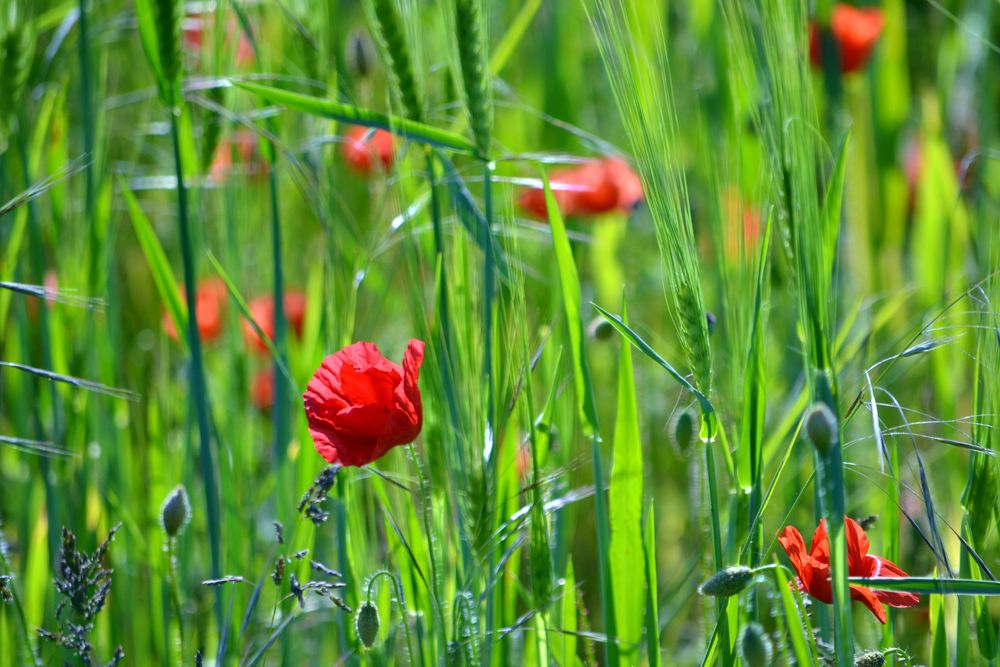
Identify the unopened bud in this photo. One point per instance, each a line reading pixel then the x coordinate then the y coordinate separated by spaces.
pixel 366 624
pixel 755 646
pixel 360 53
pixel 870 659
pixel 601 329
pixel 176 511
pixel 684 429
pixel 821 427
pixel 728 582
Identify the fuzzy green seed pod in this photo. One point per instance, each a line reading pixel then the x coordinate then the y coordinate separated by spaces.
pixel 728 582
pixel 755 646
pixel 821 427
pixel 366 624
pixel 684 429
pixel 869 659
pixel 175 512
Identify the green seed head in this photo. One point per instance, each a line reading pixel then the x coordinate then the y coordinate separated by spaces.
pixel 755 646
pixel 176 511
pixel 821 427
pixel 684 429
pixel 366 624
pixel 870 659
pixel 728 582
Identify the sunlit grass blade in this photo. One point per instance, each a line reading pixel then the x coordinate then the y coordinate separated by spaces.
pixel 931 585
pixel 570 286
pixel 625 510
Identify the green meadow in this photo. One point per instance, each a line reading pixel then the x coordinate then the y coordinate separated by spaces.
pixel 661 287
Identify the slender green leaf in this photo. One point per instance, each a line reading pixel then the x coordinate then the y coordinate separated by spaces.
pixel 347 113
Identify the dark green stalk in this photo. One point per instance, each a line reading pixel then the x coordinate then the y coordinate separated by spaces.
pixel 197 369
pixel 279 409
pixel 88 127
pixel 717 553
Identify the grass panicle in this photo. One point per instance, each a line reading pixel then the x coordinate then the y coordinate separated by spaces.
pixel 392 39
pixel 470 34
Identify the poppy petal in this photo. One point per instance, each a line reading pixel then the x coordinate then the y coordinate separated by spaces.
pixel 857 546
pixel 868 598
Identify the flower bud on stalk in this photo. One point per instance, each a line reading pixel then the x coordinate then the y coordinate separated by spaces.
pixel 366 624
pixel 755 646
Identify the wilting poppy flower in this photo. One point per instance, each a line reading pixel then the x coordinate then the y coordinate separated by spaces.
pixel 262 390
pixel 360 405
pixel 363 147
pixel 813 567
pixel 262 310
pixel 591 188
pixel 247 152
pixel 210 306
pixel 855 31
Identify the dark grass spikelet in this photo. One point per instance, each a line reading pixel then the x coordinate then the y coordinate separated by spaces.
pixel 169 21
pixel 84 583
pixel 475 78
pixel 316 495
pixel 389 28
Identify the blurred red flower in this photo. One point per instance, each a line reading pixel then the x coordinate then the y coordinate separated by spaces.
pixel 855 30
pixel 247 152
pixel 262 310
pixel 742 223
pixel 210 306
pixel 360 405
pixel 591 188
pixel 262 389
pixel 813 567
pixel 364 147
pixel 195 27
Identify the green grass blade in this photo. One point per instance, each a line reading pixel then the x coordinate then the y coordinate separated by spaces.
pixel 931 585
pixel 645 348
pixel 156 258
pixel 570 284
pixel 652 588
pixel 348 113
pixel 625 510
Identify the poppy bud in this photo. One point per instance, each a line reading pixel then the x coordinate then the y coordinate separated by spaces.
pixel 870 659
pixel 684 430
pixel 821 427
pixel 176 511
pixel 360 53
pixel 755 646
pixel 366 624
pixel 728 582
pixel 601 329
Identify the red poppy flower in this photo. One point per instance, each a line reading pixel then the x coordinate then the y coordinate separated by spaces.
pixel 195 27
pixel 813 567
pixel 210 306
pixel 591 188
pixel 360 405
pixel 855 30
pixel 364 147
pixel 262 390
pixel 740 213
pixel 262 310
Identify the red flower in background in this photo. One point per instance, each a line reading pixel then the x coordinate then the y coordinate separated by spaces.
pixel 591 188
pixel 855 30
pixel 247 151
pixel 813 567
pixel 262 390
pixel 360 405
pixel 195 27
pixel 364 147
pixel 742 223
pixel 210 306
pixel 262 310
